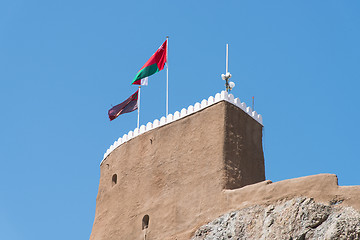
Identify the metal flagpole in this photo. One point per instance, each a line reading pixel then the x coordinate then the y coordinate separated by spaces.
pixel 138 121
pixel 167 77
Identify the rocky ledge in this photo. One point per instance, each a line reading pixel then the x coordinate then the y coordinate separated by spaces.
pixel 296 219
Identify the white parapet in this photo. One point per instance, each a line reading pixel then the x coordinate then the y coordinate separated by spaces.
pixel 149 126
pixel 197 107
pixel 142 129
pixel 243 106
pixel 190 109
pixel 162 120
pixel 183 113
pixel 136 132
pixel 130 135
pixel 211 100
pixel 249 110
pixel 204 103
pixel 237 102
pixel 156 123
pixel 231 98
pixel 223 96
pixel 169 118
pixel 176 115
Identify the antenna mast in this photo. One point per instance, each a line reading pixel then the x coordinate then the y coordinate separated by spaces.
pixel 228 85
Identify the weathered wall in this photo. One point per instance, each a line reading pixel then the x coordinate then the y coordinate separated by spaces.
pixel 323 188
pixel 183 175
pixel 177 173
pixel 243 154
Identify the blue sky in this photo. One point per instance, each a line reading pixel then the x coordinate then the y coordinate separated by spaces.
pixel 64 63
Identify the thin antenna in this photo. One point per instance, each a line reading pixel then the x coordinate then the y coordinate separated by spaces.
pixel 227 58
pixel 228 85
pixel 253 105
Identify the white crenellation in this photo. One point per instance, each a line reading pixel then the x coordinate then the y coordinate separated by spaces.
pixel 183 113
pixel 243 106
pixel 176 115
pixel 149 126
pixel 190 109
pixel 197 107
pixel 162 121
pixel 169 118
pixel 211 100
pixel 224 95
pixel 142 129
pixel 231 98
pixel 249 110
pixel 116 144
pixel 124 138
pixel 217 97
pixel 204 103
pixel 237 102
pixel 112 148
pixel 130 135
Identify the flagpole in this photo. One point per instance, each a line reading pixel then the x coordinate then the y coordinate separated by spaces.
pixel 138 120
pixel 167 77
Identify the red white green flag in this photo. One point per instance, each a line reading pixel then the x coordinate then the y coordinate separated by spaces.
pixel 129 105
pixel 155 64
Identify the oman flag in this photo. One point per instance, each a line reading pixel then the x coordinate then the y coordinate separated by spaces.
pixel 155 64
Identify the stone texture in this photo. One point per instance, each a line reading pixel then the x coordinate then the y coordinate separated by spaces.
pixel 298 219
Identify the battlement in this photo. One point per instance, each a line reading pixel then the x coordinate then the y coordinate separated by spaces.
pixel 169 175
pixel 223 96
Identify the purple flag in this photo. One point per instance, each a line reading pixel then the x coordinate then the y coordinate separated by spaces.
pixel 129 105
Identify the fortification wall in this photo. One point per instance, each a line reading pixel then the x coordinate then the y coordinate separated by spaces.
pixel 186 170
pixel 176 173
pixel 223 96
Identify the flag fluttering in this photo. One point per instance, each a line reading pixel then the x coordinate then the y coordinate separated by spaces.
pixel 144 81
pixel 155 64
pixel 129 105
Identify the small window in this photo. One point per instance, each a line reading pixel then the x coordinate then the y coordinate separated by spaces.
pixel 114 179
pixel 145 222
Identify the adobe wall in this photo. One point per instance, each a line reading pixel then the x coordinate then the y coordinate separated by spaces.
pixel 186 173
pixel 323 188
pixel 243 152
pixel 177 174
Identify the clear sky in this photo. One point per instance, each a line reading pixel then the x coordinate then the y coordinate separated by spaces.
pixel 64 63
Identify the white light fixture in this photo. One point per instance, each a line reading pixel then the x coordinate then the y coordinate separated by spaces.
pixel 232 85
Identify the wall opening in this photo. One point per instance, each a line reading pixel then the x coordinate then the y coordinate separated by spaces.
pixel 145 222
pixel 114 180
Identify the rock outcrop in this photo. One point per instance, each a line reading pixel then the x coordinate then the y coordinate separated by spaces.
pixel 295 219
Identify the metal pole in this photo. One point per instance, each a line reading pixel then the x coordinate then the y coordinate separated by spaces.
pixel 138 120
pixel 227 58
pixel 167 77
pixel 253 106
pixel 227 67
